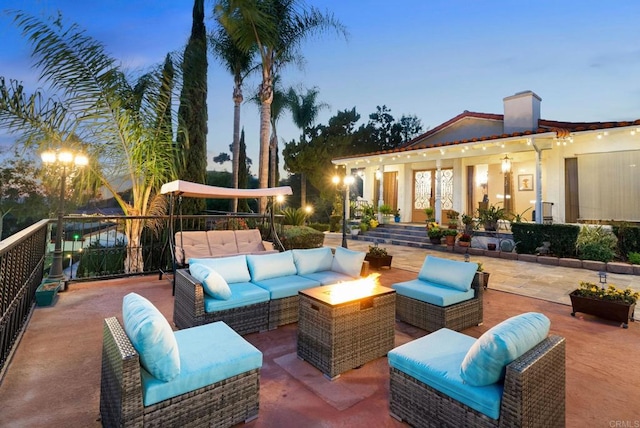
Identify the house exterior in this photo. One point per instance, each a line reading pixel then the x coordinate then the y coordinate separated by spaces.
pixel 565 171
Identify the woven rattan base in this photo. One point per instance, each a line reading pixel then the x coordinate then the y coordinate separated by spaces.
pixel 335 339
pixel 283 311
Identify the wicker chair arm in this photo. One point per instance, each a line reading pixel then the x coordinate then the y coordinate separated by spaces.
pixel 189 293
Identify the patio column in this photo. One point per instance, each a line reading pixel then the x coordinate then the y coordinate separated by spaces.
pixel 438 202
pixel 380 177
pixel 538 181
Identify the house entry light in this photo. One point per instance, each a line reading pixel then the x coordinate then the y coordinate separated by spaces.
pixel 506 164
pixel 66 159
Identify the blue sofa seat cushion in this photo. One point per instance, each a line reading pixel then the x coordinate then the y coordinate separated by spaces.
pixel 242 294
pixel 486 361
pixel 269 266
pixel 312 260
pixel 151 336
pixel 434 294
pixel 450 273
pixel 435 361
pixel 208 354
pixel 286 286
pixel 327 277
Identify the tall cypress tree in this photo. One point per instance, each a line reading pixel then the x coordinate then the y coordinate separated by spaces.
pixel 243 173
pixel 192 113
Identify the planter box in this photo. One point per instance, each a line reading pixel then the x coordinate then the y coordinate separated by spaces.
pixel 47 292
pixel 378 262
pixel 482 279
pixel 607 309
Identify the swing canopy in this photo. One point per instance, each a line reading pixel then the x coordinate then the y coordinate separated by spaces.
pixel 196 190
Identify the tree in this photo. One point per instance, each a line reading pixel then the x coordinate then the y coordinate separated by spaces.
pixel 304 111
pixel 192 114
pixel 240 64
pixel 276 28
pixel 99 111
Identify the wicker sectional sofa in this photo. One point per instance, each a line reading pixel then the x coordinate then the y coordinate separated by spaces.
pixel 446 293
pixel 263 288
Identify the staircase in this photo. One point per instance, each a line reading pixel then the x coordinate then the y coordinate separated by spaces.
pixel 409 235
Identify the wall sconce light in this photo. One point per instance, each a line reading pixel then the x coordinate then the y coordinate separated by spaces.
pixel 506 164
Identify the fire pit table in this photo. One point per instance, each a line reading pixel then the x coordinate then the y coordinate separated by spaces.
pixel 343 326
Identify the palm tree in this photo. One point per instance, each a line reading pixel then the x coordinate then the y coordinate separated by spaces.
pixel 276 28
pixel 98 110
pixel 304 111
pixel 240 64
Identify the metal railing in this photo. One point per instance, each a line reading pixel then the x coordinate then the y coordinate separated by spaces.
pixel 21 268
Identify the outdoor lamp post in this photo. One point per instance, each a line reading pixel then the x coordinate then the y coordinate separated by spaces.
pixel 66 159
pixel 346 182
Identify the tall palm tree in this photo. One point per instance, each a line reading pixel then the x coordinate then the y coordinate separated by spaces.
pixel 98 110
pixel 240 64
pixel 304 111
pixel 277 29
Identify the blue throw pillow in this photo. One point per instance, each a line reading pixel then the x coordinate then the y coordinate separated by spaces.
pixel 486 361
pixel 348 262
pixel 267 266
pixel 212 282
pixel 151 336
pixel 233 269
pixel 450 273
pixel 312 260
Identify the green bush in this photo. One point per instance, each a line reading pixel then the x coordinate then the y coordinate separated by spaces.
pixel 596 243
pixel 322 227
pixel 529 236
pixel 301 237
pixel 99 260
pixel 294 216
pixel 628 239
pixel 334 223
pixel 634 258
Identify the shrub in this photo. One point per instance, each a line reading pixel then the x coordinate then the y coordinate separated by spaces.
pixel 100 260
pixel 596 243
pixel 628 239
pixel 322 227
pixel 294 216
pixel 529 236
pixel 301 237
pixel 634 258
pixel 334 223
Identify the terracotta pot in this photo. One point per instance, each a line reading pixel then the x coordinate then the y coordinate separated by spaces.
pixel 464 243
pixel 607 309
pixel 450 240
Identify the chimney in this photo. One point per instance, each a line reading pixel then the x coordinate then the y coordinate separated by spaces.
pixel 521 112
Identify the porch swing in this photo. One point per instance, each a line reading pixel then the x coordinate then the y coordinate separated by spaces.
pixel 179 188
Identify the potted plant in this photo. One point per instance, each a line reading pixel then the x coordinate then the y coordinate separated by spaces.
pixel 378 257
pixel 452 215
pixel 490 216
pixel 610 303
pixel 468 223
pixel 482 277
pixel 429 212
pixel 47 292
pixel 386 211
pixel 450 236
pixel 464 240
pixel 434 233
pixel 396 216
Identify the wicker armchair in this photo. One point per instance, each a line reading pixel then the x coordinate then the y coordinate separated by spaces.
pixel 533 395
pixel 430 317
pixel 222 404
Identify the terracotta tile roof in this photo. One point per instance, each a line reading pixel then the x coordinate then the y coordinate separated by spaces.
pixel 562 129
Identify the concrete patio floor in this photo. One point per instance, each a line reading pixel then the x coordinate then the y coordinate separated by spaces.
pixel 53 378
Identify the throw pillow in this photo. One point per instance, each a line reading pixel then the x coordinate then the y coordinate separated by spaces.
pixel 348 262
pixel 212 282
pixel 267 266
pixel 312 260
pixel 233 269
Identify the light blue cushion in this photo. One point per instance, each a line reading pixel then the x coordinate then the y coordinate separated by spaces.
pixel 232 269
pixel 269 266
pixel 327 277
pixel 208 354
pixel 450 273
pixel 312 260
pixel 348 262
pixel 286 286
pixel 242 294
pixel 434 294
pixel 435 360
pixel 486 361
pixel 212 282
pixel 151 335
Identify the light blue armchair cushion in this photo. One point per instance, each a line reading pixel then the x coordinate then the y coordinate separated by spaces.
pixel 151 336
pixel 212 282
pixel 434 294
pixel 486 361
pixel 242 294
pixel 209 353
pixel 435 360
pixel 286 286
pixel 312 260
pixel 450 273
pixel 348 262
pixel 269 266
pixel 232 269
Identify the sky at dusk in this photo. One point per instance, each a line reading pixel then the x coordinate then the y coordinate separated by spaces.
pixel 432 59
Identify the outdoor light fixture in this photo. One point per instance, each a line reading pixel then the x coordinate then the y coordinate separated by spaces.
pixel 64 158
pixel 603 277
pixel 506 164
pixel 506 170
pixel 346 183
